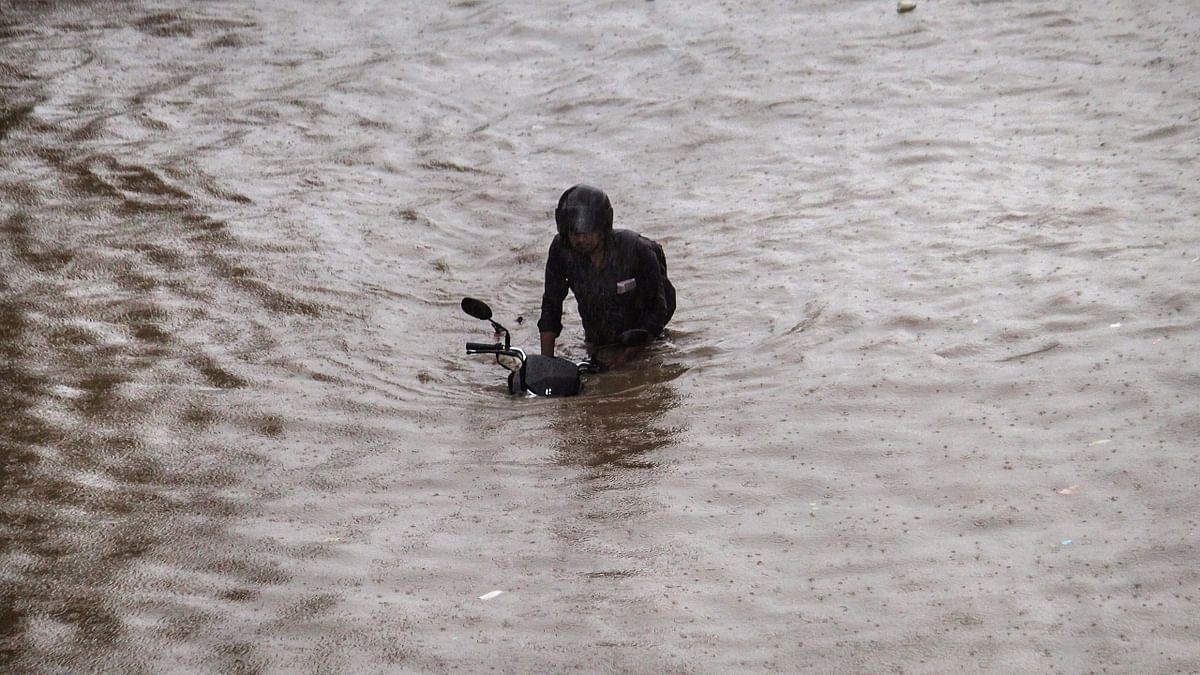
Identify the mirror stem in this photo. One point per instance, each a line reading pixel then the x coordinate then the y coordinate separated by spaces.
pixel 502 329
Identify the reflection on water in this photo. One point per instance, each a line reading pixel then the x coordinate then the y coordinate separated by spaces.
pixel 617 442
pixel 617 423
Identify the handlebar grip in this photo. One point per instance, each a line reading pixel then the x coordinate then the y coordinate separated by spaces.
pixel 483 346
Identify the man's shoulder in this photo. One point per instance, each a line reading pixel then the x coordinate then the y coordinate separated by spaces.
pixel 634 242
pixel 631 239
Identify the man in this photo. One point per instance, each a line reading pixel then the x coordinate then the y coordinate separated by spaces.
pixel 619 278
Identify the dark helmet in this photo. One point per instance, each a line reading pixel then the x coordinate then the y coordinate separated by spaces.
pixel 583 208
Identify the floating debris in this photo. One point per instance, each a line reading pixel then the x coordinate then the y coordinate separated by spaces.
pixel 1039 350
pixel 1069 490
pixel 1102 441
pixel 490 595
pixel 905 6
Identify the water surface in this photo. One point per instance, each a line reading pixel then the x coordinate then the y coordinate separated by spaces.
pixel 928 403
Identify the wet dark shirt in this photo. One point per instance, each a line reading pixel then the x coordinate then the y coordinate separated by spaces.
pixel 628 290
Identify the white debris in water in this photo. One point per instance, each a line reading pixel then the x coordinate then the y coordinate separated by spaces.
pixel 490 595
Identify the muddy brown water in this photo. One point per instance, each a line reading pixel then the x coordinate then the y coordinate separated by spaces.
pixel 929 403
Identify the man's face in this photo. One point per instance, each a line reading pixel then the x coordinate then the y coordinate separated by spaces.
pixel 585 242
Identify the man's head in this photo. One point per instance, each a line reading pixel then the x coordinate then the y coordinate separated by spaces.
pixel 584 217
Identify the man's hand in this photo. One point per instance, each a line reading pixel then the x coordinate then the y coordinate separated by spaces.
pixel 548 339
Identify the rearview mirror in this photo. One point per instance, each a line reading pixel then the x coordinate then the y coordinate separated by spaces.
pixel 478 309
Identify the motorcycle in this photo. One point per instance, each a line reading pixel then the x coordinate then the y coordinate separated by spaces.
pixel 537 374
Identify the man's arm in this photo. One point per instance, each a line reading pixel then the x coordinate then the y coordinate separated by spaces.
pixel 548 340
pixel 550 322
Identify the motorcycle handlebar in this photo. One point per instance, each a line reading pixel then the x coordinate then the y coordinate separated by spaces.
pixel 484 347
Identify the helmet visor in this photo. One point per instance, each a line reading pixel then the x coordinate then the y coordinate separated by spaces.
pixel 581 220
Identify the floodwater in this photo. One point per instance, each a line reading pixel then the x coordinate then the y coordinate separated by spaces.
pixel 929 402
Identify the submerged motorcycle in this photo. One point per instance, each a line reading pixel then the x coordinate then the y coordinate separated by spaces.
pixel 534 373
